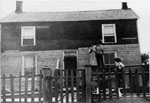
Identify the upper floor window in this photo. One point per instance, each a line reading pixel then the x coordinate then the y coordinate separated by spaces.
pixel 109 33
pixel 28 36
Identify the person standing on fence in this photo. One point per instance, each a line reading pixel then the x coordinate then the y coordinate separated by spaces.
pixel 99 54
pixel 92 55
pixel 119 67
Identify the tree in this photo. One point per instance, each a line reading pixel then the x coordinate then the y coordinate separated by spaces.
pixel 145 58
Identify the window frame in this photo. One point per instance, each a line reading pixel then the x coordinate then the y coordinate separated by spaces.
pixel 23 68
pixel 103 34
pixel 22 35
pixel 108 52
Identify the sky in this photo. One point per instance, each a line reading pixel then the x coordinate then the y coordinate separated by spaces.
pixel 141 7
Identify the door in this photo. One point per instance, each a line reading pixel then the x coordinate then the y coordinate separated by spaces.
pixel 70 64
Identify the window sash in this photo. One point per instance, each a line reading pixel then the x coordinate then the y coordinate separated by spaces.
pixel 108 30
pixel 29 62
pixel 109 58
pixel 28 35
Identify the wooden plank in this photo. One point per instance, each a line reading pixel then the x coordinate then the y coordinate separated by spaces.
pixel 104 81
pixel 130 80
pixel 72 85
pixel 50 90
pixel 56 86
pixel 20 87
pixel 137 82
pixel 4 89
pixel 123 83
pixel 12 88
pixel 98 81
pixel 110 87
pixel 61 86
pixel 40 86
pixel 88 84
pixel 32 86
pixel 45 92
pixel 143 82
pixel 116 82
pixel 67 92
pixel 83 79
pixel 77 85
pixel 26 88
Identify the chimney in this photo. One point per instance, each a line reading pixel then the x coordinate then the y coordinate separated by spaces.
pixel 18 6
pixel 124 5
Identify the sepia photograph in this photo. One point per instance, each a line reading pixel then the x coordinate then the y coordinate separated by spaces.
pixel 74 51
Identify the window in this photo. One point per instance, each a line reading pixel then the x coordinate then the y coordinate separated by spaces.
pixel 29 64
pixel 109 58
pixel 108 33
pixel 28 36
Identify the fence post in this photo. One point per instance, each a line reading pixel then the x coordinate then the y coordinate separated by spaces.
pixel 88 84
pixel 46 73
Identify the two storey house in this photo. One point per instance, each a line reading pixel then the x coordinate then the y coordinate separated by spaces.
pixel 60 40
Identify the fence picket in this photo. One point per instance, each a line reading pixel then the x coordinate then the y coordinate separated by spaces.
pixel 12 88
pixel 123 83
pixel 110 86
pixel 61 86
pixel 40 86
pixel 20 87
pixel 32 86
pixel 136 82
pixel 131 81
pixel 4 89
pixel 143 82
pixel 88 84
pixel 26 88
pixel 116 83
pixel 72 85
pixel 83 85
pixel 50 87
pixel 104 82
pixel 56 86
pixel 99 85
pixel 77 84
pixel 66 82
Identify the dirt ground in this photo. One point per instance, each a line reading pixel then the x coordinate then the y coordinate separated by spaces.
pixel 128 100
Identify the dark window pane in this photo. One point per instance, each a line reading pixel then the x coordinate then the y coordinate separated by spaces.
pixel 109 39
pixel 28 42
pixel 109 58
pixel 112 56
pixel 106 58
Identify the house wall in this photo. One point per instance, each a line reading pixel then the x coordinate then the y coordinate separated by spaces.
pixel 66 35
pixel 12 61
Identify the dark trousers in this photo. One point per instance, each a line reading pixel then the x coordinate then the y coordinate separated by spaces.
pixel 100 60
pixel 120 78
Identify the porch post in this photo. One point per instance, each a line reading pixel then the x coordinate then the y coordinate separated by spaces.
pixel 46 73
pixel 88 83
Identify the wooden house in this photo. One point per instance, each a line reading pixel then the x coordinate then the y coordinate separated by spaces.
pixel 60 40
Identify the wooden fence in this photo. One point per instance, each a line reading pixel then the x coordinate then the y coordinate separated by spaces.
pixel 88 85
pixel 134 82
pixel 22 89
pixel 83 85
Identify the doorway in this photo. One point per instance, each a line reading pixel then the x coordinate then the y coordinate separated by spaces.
pixel 70 65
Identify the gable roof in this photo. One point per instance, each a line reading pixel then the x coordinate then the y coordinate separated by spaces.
pixel 113 14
